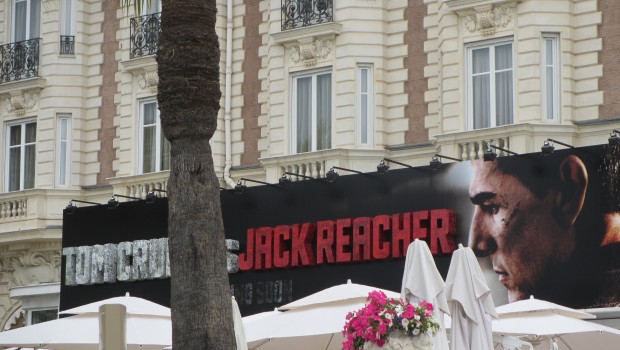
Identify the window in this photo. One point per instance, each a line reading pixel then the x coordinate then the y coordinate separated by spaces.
pixel 490 85
pixel 151 6
pixel 67 31
pixel 365 105
pixel 21 146
pixel 64 149
pixel 26 17
pixel 312 112
pixel 38 316
pixel 155 149
pixel 550 77
pixel 67 18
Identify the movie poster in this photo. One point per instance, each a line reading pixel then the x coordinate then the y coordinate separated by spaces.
pixel 547 225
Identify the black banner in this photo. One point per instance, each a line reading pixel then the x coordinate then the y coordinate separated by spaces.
pixel 544 228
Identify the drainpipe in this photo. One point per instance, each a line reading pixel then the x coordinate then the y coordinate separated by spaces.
pixel 227 98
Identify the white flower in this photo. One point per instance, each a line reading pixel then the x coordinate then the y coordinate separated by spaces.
pixel 405 322
pixel 398 309
pixel 389 316
pixel 415 331
pixel 416 317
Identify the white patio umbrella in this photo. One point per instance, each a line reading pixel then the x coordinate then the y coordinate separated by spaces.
pixel 471 304
pixel 422 281
pixel 81 332
pixel 238 326
pixel 134 306
pixel 550 326
pixel 148 327
pixel 311 323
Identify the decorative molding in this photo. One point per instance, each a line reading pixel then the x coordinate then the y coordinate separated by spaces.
pixel 291 37
pixel 21 101
pixel 461 5
pixel 149 80
pixel 486 21
pixel 309 52
pixel 140 65
pixel 27 268
pixel 17 319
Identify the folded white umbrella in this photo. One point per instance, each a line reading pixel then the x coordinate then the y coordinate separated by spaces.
pixel 471 304
pixel 238 326
pixel 311 323
pixel 422 281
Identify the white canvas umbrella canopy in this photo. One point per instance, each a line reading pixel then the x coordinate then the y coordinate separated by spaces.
pixel 533 305
pixel 550 326
pixel 422 281
pixel 81 332
pixel 148 327
pixel 471 304
pixel 134 306
pixel 311 323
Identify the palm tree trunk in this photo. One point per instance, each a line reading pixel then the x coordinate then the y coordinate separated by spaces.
pixel 188 96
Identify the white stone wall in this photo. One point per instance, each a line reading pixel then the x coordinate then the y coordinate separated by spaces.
pixel 574 21
pixel 372 32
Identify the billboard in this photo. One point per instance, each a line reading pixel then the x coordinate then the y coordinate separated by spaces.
pixel 540 224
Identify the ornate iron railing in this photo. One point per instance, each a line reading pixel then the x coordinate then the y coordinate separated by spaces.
pixel 67 44
pixel 144 35
pixel 19 60
pixel 303 13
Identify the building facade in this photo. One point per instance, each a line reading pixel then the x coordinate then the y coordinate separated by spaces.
pixel 307 85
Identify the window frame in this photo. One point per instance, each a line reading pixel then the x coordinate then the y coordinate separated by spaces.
pixel 63 181
pixel 22 146
pixel 67 24
pixel 28 34
pixel 158 135
pixel 31 313
pixel 555 38
pixel 491 45
pixel 314 122
pixel 145 7
pixel 368 132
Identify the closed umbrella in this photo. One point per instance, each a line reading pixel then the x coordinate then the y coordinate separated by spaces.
pixel 238 325
pixel 422 281
pixel 471 304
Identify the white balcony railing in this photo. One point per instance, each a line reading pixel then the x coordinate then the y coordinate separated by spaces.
pixel 13 208
pixel 140 185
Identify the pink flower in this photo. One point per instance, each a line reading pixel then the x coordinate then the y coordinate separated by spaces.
pixel 380 316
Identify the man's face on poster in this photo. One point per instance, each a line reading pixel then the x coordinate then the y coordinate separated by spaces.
pixel 518 230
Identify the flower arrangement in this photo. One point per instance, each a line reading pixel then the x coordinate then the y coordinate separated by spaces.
pixel 381 315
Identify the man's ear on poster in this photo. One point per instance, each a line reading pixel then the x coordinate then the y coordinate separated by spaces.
pixel 571 195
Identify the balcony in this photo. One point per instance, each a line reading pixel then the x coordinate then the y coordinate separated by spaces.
pixel 140 185
pixel 304 13
pixel 19 60
pixel 302 166
pixel 32 215
pixel 144 34
pixel 67 44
